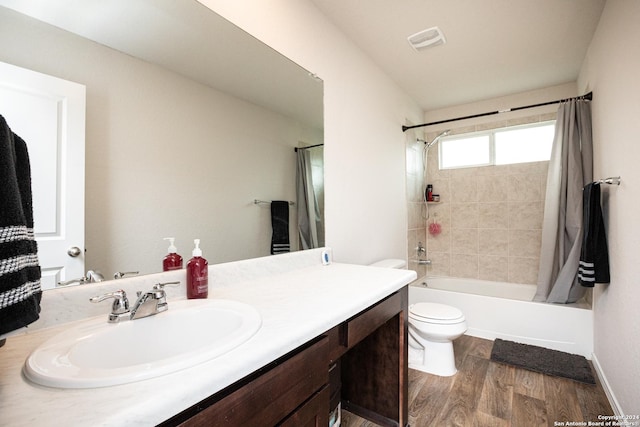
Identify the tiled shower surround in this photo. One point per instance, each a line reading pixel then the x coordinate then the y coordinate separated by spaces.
pixel 490 217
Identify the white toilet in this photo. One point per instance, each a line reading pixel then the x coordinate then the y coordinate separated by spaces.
pixel 432 329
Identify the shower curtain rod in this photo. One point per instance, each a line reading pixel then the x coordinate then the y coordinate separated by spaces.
pixel 587 97
pixel 310 146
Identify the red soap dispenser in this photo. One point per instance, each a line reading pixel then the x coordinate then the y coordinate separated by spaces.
pixel 173 261
pixel 197 274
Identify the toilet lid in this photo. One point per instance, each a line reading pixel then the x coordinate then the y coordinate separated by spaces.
pixel 435 313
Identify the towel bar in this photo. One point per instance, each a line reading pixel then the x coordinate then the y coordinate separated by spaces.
pixel 260 202
pixel 612 180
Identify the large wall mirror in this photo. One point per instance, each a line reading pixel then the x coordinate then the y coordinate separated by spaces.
pixel 189 120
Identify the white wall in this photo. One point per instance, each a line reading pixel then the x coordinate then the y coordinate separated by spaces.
pixel 166 156
pixel 522 99
pixel 365 199
pixel 611 70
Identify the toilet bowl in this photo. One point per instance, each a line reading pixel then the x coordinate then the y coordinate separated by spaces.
pixel 432 329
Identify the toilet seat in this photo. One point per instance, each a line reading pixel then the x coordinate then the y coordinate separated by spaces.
pixel 431 312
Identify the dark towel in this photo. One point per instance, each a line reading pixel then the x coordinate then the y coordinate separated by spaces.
pixel 594 255
pixel 20 291
pixel 280 225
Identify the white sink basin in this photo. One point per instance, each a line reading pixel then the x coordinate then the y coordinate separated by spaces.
pixel 95 353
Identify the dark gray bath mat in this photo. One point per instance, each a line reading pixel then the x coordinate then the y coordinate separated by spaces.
pixel 539 359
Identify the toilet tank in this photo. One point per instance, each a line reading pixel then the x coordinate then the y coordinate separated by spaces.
pixel 390 263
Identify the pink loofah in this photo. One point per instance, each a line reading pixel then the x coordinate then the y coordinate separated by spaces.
pixel 434 229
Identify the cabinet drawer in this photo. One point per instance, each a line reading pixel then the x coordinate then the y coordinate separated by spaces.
pixel 313 413
pixel 371 319
pixel 274 395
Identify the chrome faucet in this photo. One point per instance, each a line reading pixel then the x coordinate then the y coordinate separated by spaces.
pixel 148 303
pixel 151 302
pixel 422 251
pixel 91 277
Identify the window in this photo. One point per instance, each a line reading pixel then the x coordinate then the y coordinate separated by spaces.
pixel 465 152
pixel 516 144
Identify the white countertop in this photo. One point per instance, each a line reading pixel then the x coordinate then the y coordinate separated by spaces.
pixel 296 305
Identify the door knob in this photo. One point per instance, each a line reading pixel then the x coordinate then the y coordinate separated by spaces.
pixel 74 251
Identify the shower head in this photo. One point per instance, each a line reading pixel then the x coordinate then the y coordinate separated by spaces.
pixel 437 138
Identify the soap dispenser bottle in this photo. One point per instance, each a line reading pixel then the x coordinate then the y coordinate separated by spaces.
pixel 197 274
pixel 429 193
pixel 173 261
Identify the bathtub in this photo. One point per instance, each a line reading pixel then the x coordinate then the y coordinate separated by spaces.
pixel 506 310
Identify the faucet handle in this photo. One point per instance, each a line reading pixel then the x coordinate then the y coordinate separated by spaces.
pixel 160 286
pixel 120 304
pixel 80 280
pixel 121 274
pixel 160 294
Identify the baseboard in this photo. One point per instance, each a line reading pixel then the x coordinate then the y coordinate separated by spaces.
pixel 605 385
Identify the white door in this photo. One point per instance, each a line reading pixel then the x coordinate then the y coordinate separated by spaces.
pixel 49 114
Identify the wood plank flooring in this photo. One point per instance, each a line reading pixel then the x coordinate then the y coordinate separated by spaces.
pixel 485 393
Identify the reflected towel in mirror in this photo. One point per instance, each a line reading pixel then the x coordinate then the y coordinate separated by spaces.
pixel 280 225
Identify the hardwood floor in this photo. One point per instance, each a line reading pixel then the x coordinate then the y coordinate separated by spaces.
pixel 486 393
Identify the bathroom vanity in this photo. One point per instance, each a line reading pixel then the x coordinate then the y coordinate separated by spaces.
pixel 329 333
pixel 296 389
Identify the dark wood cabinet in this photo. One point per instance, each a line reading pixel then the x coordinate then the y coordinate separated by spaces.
pixel 375 369
pixel 313 413
pixel 367 355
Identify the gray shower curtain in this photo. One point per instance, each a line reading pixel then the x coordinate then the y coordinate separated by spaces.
pixel 309 218
pixel 570 169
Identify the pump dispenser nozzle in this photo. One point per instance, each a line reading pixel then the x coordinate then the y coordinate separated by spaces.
pixel 197 251
pixel 172 261
pixel 172 249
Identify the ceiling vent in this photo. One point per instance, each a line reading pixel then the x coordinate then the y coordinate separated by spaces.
pixel 426 38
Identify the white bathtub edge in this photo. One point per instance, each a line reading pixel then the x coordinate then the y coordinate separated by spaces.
pixel 561 328
pixel 607 388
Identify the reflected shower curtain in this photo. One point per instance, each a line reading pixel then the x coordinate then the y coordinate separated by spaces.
pixel 570 169
pixel 309 218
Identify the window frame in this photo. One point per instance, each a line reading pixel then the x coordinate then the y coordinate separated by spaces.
pixel 492 146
